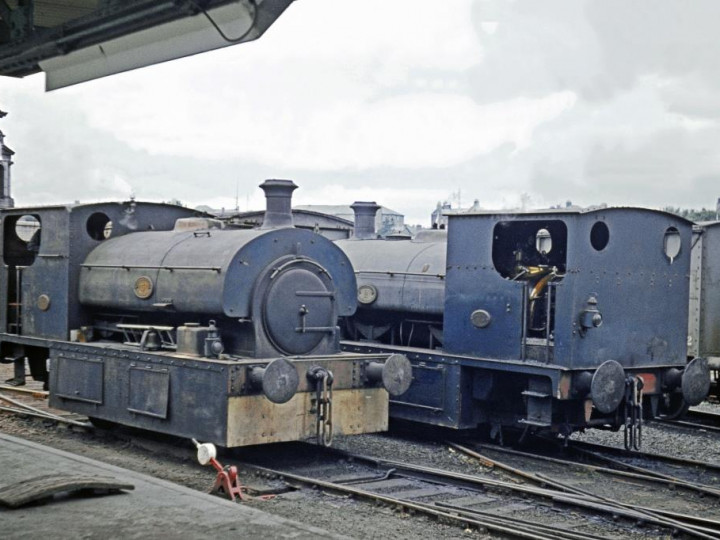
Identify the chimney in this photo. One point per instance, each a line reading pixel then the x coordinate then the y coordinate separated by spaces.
pixel 278 197
pixel 365 219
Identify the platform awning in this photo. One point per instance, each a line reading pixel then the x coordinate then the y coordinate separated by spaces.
pixel 79 40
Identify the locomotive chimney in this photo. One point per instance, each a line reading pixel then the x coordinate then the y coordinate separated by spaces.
pixel 365 219
pixel 278 197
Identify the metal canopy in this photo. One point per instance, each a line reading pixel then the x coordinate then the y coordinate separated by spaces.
pixel 110 36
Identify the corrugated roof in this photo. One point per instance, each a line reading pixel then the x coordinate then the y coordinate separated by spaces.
pixel 341 209
pixel 54 13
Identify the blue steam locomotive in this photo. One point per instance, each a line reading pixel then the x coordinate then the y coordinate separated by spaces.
pixel 553 320
pixel 151 316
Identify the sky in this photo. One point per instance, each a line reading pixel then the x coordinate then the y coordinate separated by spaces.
pixel 404 102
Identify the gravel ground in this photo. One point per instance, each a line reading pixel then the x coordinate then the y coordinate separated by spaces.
pixel 664 439
pixel 174 460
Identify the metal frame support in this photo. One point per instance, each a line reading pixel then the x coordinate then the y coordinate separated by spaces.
pixel 19 21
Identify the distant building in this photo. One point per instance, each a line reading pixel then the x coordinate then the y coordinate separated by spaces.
pixel 387 222
pixel 334 221
pixel 330 226
pixel 438 218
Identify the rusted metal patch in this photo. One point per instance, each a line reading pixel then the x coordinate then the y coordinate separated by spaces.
pixel 650 383
pixel 256 420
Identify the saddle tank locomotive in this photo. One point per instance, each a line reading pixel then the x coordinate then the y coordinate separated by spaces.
pixel 545 321
pixel 151 316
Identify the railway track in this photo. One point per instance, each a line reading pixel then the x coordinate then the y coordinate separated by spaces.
pixel 479 501
pixel 32 401
pixel 495 495
pixel 612 483
pixel 697 419
pixel 458 510
pixel 699 476
pixel 625 471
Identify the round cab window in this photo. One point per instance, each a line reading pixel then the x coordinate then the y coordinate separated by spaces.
pixel 22 239
pixel 99 226
pixel 599 236
pixel 672 243
pixel 27 227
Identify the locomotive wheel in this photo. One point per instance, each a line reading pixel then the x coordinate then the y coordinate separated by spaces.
pixel 673 406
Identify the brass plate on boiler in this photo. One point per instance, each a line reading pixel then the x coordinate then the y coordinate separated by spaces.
pixel 143 287
pixel 366 294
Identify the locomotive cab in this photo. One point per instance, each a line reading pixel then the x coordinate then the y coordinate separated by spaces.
pixel 587 292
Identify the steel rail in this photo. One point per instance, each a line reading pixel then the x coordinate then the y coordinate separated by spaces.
pixel 703 489
pixel 529 525
pixel 639 473
pixel 54 418
pixel 32 411
pixel 563 495
pixel 675 522
pixel 40 394
pixel 697 413
pixel 700 416
pixel 649 455
pixel 689 425
pixel 482 525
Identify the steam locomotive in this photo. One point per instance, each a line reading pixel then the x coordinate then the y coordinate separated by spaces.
pixel 553 320
pixel 153 316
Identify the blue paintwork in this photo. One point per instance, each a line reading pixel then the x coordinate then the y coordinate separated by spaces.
pixel 487 374
pixel 640 294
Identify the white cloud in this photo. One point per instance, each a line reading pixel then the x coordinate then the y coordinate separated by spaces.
pixel 412 130
pixel 311 93
pixel 412 99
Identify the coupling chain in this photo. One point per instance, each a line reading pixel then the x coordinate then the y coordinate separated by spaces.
pixel 323 404
pixel 633 413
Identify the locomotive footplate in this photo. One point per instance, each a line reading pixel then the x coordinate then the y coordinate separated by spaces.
pixel 447 388
pixel 463 392
pixel 229 402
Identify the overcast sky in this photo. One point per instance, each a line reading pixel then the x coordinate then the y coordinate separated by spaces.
pixel 406 102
